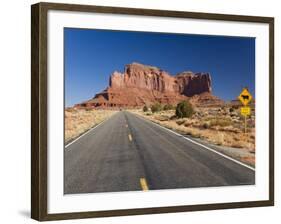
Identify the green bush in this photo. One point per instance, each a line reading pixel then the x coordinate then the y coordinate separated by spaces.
pixel 145 108
pixel 184 109
pixel 168 107
pixel 156 107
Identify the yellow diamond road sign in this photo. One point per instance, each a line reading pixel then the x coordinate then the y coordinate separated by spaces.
pixel 245 97
pixel 245 111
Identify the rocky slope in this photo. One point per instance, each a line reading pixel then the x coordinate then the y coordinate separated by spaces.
pixel 142 84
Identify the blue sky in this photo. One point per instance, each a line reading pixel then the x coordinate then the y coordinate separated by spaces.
pixel 92 55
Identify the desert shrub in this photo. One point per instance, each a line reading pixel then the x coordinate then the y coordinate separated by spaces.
pixel 231 109
pixel 156 107
pixel 88 109
pixel 145 108
pixel 190 123
pixel 174 117
pixel 180 122
pixel 71 109
pixel 237 144
pixel 222 122
pixel 206 125
pixel 235 106
pixel 184 109
pixel 218 139
pixel 162 118
pixel 192 132
pixel 196 135
pixel 168 107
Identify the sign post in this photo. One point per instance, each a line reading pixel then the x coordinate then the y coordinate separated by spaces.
pixel 245 111
pixel 245 97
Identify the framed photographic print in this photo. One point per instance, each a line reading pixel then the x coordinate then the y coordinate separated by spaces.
pixel 138 111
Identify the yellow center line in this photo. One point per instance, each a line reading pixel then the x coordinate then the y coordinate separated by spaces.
pixel 143 184
pixel 130 137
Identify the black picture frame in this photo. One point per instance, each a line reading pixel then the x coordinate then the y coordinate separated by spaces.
pixel 39 108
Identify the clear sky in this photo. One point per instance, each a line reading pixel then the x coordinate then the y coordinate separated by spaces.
pixel 92 55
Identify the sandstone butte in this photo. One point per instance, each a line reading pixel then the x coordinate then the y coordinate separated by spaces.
pixel 141 85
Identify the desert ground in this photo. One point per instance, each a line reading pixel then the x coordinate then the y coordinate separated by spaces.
pixel 221 127
pixel 78 121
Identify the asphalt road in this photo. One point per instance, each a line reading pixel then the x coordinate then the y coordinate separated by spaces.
pixel 128 153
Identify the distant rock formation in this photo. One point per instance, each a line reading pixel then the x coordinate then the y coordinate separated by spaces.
pixel 144 85
pixel 193 84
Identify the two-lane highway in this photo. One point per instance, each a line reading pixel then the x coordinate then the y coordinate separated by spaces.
pixel 128 153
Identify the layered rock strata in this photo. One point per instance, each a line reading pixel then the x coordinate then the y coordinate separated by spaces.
pixel 144 85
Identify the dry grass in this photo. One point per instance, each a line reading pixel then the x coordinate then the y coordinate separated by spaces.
pixel 220 130
pixel 77 121
pixel 222 122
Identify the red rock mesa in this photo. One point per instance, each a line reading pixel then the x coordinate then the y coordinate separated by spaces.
pixel 141 85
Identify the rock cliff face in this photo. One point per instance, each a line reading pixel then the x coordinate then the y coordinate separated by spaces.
pixel 142 84
pixel 154 79
pixel 143 77
pixel 193 84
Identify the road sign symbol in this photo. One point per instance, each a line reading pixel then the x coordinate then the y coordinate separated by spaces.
pixel 245 111
pixel 245 97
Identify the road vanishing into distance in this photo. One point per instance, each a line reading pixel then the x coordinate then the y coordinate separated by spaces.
pixel 129 153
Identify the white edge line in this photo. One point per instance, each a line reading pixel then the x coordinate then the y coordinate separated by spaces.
pixel 91 129
pixel 206 147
